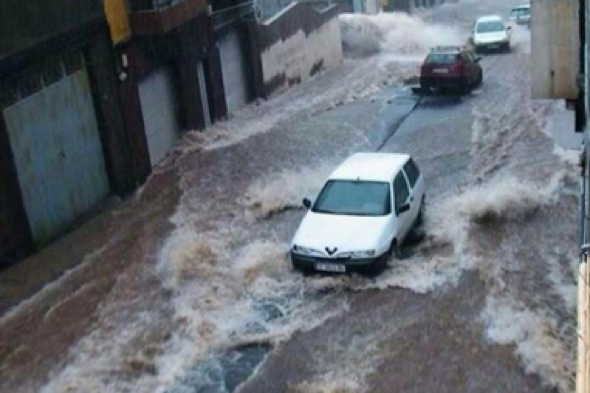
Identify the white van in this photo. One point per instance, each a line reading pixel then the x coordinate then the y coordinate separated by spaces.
pixel 491 32
pixel 363 214
pixel 521 15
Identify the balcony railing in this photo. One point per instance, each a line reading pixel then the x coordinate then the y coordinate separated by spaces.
pixel 229 15
pixel 152 5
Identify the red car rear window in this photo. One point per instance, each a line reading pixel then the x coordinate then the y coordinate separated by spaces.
pixel 441 58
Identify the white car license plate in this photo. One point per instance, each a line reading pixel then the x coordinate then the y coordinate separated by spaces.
pixel 440 71
pixel 329 267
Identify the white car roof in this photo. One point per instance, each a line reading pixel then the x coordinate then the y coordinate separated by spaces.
pixel 522 7
pixel 491 18
pixel 370 167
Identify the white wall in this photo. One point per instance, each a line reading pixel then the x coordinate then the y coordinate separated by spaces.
pixel 295 57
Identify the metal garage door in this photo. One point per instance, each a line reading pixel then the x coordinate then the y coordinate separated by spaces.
pixel 158 106
pixel 56 147
pixel 235 79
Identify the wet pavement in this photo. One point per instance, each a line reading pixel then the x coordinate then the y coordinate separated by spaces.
pixel 186 286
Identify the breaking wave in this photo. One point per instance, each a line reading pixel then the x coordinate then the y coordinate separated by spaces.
pixel 447 251
pixel 396 34
pixel 544 348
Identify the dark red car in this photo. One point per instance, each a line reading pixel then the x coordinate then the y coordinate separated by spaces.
pixel 451 67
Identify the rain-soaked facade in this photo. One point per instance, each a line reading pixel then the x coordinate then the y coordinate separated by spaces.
pixel 110 106
pixel 58 97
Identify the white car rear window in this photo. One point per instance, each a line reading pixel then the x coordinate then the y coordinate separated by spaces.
pixel 490 27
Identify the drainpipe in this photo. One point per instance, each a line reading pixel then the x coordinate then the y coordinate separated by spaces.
pixel 582 373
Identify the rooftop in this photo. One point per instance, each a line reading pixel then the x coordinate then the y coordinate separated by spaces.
pixel 370 167
pixel 447 49
pixel 490 18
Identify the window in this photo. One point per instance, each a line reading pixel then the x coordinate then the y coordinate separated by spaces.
pixel 441 58
pixel 354 198
pixel 400 188
pixel 412 171
pixel 490 27
pixel 518 12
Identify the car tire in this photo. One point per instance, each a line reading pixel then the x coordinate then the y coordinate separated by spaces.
pixel 506 47
pixel 479 79
pixel 464 86
pixel 420 218
pixel 424 86
pixel 379 266
pixel 393 250
pixel 305 272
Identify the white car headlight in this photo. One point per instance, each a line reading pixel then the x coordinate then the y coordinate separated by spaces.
pixel 358 254
pixel 305 250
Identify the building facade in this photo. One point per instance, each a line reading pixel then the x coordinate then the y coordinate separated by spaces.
pixel 92 96
pixel 63 143
pixel 170 77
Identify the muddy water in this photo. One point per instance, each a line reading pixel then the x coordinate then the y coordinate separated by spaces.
pixel 481 301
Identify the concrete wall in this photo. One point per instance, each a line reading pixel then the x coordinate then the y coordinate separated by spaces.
pixel 296 44
pixel 555 49
pixel 270 8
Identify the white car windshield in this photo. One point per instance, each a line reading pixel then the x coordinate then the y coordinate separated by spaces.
pixel 490 27
pixel 354 198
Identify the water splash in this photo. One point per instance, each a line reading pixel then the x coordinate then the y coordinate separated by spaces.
pixel 285 190
pixel 395 35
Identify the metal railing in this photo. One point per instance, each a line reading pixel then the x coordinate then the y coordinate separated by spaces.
pixel 148 5
pixel 227 16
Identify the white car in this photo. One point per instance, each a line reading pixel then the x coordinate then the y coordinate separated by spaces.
pixel 363 214
pixel 521 15
pixel 491 32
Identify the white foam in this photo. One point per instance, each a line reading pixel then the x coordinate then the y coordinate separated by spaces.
pixel 540 344
pixel 395 35
pixel 330 383
pixel 286 189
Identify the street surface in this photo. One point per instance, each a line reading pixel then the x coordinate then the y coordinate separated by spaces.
pixel 186 286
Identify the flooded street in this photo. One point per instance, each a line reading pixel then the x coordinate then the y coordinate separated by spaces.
pixel 189 288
